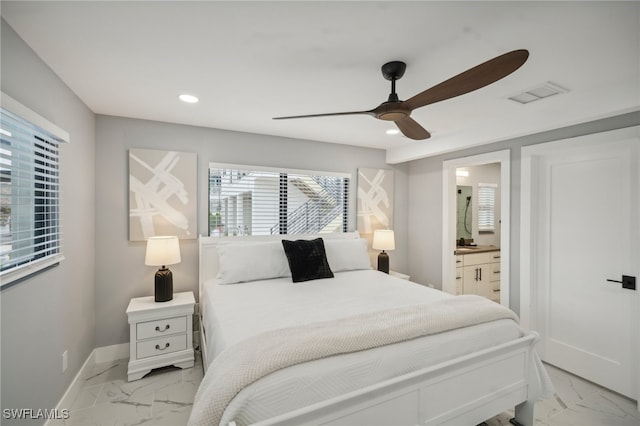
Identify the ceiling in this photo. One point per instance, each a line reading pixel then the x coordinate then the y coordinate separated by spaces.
pixel 250 61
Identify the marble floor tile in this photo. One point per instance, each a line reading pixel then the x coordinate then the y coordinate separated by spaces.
pixel 119 413
pixel 165 397
pixel 578 402
pixel 597 410
pixel 139 390
pixel 174 402
pixel 106 372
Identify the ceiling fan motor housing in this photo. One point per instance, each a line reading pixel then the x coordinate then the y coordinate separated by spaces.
pixel 392 111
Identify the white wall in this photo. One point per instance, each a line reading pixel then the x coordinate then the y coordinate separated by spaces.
pixel 120 270
pixel 425 201
pixel 53 311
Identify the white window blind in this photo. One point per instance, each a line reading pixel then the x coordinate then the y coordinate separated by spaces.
pixel 30 231
pixel 486 207
pixel 249 200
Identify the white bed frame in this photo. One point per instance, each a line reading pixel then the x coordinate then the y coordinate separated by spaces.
pixel 462 391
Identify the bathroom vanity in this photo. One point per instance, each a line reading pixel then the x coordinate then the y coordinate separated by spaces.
pixel 478 271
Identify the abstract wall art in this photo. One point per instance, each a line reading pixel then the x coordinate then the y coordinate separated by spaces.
pixel 375 200
pixel 162 194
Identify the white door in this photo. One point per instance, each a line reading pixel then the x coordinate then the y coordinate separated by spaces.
pixel 585 212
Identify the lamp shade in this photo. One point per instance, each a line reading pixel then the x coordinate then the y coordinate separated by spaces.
pixel 383 239
pixel 163 250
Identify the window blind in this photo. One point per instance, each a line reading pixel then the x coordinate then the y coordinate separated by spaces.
pixel 30 231
pixel 486 207
pixel 249 200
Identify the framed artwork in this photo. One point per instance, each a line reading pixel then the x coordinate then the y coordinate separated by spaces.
pixel 375 200
pixel 162 194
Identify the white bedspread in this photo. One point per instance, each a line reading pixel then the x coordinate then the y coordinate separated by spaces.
pixel 237 312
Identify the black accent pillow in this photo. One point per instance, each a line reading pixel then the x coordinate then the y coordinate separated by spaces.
pixel 307 260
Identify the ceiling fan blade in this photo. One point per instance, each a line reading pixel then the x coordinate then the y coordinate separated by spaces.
pixel 470 80
pixel 411 129
pixel 325 115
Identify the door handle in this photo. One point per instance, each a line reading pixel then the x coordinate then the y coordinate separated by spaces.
pixel 627 282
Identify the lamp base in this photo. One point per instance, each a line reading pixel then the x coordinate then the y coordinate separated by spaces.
pixel 383 262
pixel 164 285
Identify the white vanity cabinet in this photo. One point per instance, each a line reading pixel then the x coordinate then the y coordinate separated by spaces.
pixel 479 273
pixel 459 274
pixel 495 276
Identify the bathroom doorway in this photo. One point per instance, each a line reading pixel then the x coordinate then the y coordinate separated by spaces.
pixel 450 215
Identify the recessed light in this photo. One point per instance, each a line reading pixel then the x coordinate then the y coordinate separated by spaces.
pixel 190 99
pixel 392 131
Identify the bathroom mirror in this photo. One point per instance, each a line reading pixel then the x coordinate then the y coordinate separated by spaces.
pixel 464 212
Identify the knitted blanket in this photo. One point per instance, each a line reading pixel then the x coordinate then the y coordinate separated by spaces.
pixel 247 361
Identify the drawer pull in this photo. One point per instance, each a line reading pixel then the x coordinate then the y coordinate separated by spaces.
pixel 158 348
pixel 496 257
pixel 496 291
pixel 166 327
pixel 496 272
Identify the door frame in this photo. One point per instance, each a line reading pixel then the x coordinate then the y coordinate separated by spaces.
pixel 529 235
pixel 449 208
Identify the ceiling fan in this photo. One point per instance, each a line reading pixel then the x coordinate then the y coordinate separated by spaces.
pixel 400 111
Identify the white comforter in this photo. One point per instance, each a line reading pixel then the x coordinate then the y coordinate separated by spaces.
pixel 237 312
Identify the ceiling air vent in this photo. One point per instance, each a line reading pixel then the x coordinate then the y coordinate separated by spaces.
pixel 543 91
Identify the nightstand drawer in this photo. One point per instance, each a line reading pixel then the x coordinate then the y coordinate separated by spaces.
pixel 161 346
pixel 163 327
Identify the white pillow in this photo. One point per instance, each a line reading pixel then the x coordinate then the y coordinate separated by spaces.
pixel 347 255
pixel 251 261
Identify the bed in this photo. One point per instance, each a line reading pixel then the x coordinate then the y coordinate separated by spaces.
pixel 344 344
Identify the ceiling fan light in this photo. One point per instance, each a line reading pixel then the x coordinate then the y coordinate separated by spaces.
pixel 392 115
pixel 392 131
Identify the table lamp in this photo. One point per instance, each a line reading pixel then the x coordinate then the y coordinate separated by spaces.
pixel 383 239
pixel 163 251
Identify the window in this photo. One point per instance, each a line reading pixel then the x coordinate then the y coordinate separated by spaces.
pixel 487 207
pixel 30 234
pixel 249 200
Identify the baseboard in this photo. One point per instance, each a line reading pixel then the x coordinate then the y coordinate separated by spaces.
pixel 97 356
pixel 75 386
pixel 112 353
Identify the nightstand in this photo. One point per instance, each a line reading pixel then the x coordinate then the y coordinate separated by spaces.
pixel 161 333
pixel 399 275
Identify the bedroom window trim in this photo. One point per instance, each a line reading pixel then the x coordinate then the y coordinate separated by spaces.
pixel 30 172
pixel 289 201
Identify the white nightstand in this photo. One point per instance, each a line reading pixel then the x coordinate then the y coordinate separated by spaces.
pixel 399 275
pixel 161 333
